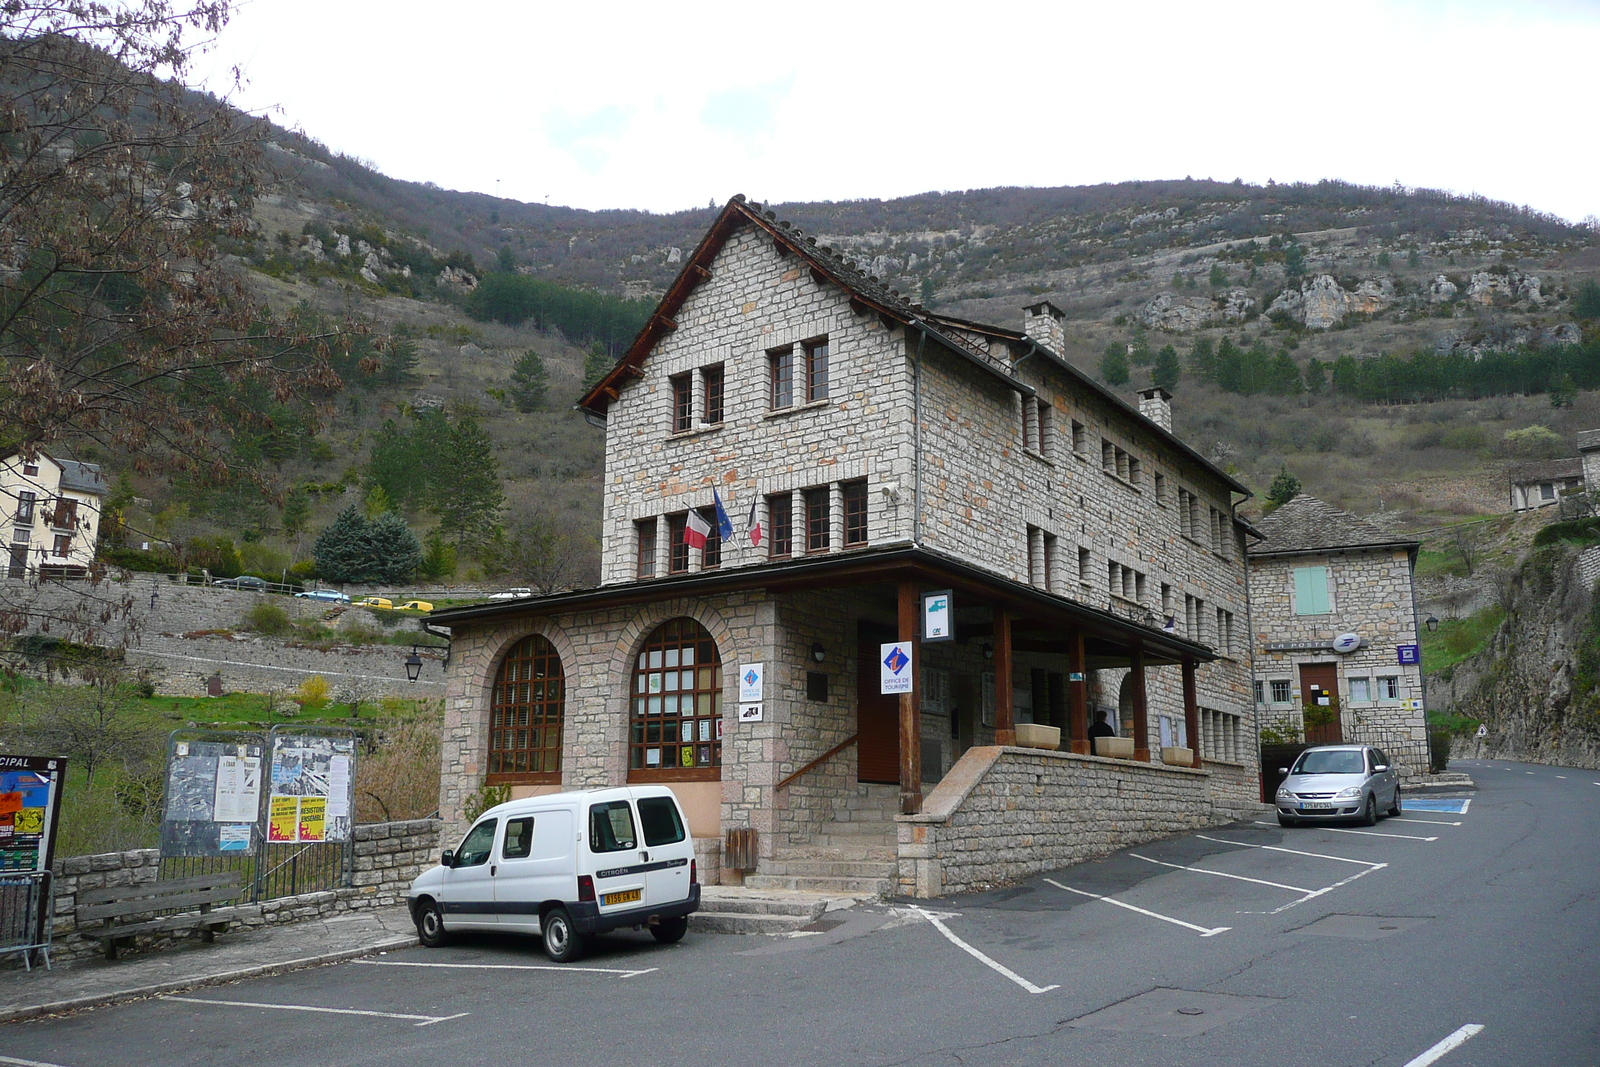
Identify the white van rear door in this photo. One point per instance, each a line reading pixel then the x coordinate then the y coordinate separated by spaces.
pixel 666 839
pixel 618 858
pixel 537 864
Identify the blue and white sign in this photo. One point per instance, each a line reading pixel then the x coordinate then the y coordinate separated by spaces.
pixel 894 668
pixel 750 682
pixel 1409 654
pixel 938 618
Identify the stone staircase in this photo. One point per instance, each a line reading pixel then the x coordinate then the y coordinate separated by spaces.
pixel 854 855
pixel 742 910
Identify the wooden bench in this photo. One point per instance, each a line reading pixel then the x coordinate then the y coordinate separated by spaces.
pixel 124 910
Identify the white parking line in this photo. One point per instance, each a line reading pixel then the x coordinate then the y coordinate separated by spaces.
pixel 1363 833
pixel 426 1020
pixel 1562 777
pixel 509 967
pixel 1454 1041
pixel 1221 874
pixel 1203 931
pixel 1002 968
pixel 27 1063
pixel 1309 894
pixel 1291 851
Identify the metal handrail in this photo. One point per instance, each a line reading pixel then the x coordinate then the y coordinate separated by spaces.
pixel 819 761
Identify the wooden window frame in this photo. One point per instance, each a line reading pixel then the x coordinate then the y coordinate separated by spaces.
pixel 677 547
pixel 666 643
pixel 780 526
pixel 713 379
pixel 682 402
pixel 780 374
pixel 26 499
pixel 711 555
pixel 816 356
pixel 818 520
pixel 855 496
pixel 645 534
pixel 521 703
pixel 62 546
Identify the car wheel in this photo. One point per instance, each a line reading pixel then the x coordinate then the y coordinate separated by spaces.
pixel 1286 820
pixel 1394 809
pixel 562 943
pixel 670 931
pixel 430 925
pixel 1369 814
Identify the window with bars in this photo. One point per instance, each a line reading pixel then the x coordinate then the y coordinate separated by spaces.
pixel 817 520
pixel 1388 686
pixel 525 715
pixel 780 367
pixel 644 536
pixel 780 526
pixel 855 512
pixel 682 402
pixel 676 714
pixel 712 379
pixel 1280 691
pixel 677 547
pixel 1260 690
pixel 816 369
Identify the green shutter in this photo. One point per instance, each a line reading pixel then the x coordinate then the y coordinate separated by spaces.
pixel 1311 591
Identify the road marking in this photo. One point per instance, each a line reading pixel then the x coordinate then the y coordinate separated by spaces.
pixel 1527 772
pixel 1203 931
pixel 426 1020
pixel 508 967
pixel 1363 833
pixel 1221 874
pixel 1562 777
pixel 1432 822
pixel 27 1063
pixel 1002 968
pixel 1314 894
pixel 1291 851
pixel 1449 1044
pixel 1438 805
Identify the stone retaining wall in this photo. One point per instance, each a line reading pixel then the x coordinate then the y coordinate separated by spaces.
pixel 1002 814
pixel 387 857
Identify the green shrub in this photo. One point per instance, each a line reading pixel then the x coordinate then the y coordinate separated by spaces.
pixel 1574 531
pixel 267 618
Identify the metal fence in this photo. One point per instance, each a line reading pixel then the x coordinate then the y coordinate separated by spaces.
pixel 277 871
pixel 1402 749
pixel 27 914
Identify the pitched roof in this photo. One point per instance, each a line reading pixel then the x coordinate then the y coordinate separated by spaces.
pixel 1549 469
pixel 868 294
pixel 82 477
pixel 1306 524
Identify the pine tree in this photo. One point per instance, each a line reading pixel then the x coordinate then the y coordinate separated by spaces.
pixel 1285 487
pixel 376 503
pixel 1203 360
pixel 1167 370
pixel 1316 377
pixel 396 554
pixel 1114 365
pixel 296 512
pixel 344 549
pixel 466 493
pixel 596 365
pixel 529 382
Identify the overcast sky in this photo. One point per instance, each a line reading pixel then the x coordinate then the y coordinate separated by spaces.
pixel 670 105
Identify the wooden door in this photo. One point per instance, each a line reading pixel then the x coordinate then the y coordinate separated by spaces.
pixel 1319 694
pixel 877 720
pixel 18 567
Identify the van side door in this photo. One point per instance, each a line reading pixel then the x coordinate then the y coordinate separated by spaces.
pixel 537 864
pixel 618 856
pixel 467 892
pixel 667 840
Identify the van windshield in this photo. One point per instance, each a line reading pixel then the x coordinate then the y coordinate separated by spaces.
pixel 659 817
pixel 611 827
pixel 1331 762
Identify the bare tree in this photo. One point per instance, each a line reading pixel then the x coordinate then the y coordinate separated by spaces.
pixel 91 725
pixel 542 552
pixel 1469 543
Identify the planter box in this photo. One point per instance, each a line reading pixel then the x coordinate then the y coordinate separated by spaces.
pixel 1115 747
pixel 1033 735
pixel 1178 757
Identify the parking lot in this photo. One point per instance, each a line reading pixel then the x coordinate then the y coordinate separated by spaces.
pixel 1460 933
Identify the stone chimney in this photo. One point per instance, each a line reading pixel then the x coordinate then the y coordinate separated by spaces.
pixel 1155 404
pixel 1042 322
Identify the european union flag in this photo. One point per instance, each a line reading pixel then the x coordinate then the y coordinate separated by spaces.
pixel 724 524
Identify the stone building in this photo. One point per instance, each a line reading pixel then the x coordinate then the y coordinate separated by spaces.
pixel 867 453
pixel 1320 575
pixel 1542 485
pixel 54 507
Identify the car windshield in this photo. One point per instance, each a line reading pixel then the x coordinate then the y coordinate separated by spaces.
pixel 1336 761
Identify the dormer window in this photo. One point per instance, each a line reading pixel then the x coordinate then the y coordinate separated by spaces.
pixel 30 469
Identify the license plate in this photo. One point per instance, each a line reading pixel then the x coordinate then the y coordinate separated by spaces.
pixel 625 897
pixel 1316 805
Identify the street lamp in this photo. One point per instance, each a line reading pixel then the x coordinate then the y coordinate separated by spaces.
pixel 1432 624
pixel 818 653
pixel 413 665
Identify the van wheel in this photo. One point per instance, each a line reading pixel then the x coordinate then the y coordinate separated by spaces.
pixel 562 943
pixel 430 925
pixel 670 931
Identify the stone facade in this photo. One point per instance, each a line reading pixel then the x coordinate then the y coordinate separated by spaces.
pixel 388 856
pixel 956 441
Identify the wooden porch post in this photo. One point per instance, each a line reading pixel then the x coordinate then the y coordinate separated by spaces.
pixel 1078 701
pixel 1191 709
pixel 910 707
pixel 1005 727
pixel 1141 710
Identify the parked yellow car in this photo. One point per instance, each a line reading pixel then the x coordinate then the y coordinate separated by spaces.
pixel 375 602
pixel 416 605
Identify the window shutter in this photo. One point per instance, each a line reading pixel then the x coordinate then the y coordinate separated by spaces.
pixel 1311 590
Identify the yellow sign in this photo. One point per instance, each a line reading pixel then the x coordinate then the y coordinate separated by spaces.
pixel 688 755
pixel 283 819
pixel 29 821
pixel 313 822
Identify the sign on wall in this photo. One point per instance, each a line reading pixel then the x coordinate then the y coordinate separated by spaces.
pixel 30 809
pixel 894 668
pixel 1408 655
pixel 751 682
pixel 938 616
pixel 749 712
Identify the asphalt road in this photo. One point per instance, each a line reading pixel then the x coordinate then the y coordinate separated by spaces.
pixel 1242 946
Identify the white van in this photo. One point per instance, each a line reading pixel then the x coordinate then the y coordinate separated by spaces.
pixel 566 866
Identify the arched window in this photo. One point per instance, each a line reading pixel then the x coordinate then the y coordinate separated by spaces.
pixel 675 721
pixel 525 717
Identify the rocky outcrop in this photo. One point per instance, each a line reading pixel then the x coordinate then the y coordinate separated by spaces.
pixel 1322 303
pixel 1182 314
pixel 457 279
pixel 1480 341
pixel 1502 286
pixel 1442 290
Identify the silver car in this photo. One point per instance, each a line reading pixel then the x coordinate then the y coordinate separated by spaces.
pixel 1339 782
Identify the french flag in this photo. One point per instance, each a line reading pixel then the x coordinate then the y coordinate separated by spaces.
pixel 753 525
pixel 695 530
